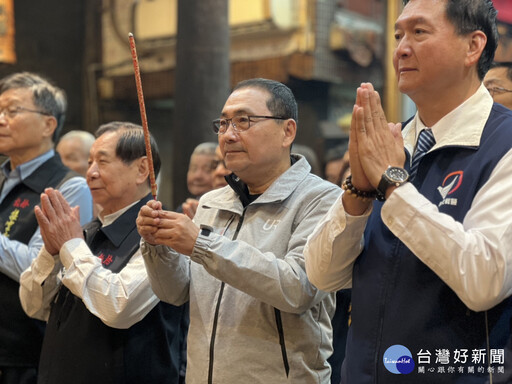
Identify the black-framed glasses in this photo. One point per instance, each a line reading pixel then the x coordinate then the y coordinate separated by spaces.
pixel 13 111
pixel 239 123
pixel 497 90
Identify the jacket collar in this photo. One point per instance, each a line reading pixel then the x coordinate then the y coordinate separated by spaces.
pixel 233 196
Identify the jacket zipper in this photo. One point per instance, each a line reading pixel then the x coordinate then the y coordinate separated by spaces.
pixel 280 330
pixel 217 307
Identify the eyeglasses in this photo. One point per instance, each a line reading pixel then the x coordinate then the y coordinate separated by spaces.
pixel 12 112
pixel 498 90
pixel 239 123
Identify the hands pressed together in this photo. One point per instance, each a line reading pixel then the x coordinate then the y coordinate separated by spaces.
pixel 374 145
pixel 159 227
pixel 57 221
pixel 190 207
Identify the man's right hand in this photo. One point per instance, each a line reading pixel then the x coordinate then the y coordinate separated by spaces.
pixel 148 221
pixel 57 221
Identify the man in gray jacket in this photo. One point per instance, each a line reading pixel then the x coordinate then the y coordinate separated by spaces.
pixel 254 316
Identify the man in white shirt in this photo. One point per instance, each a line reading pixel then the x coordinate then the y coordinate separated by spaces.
pixel 105 324
pixel 429 262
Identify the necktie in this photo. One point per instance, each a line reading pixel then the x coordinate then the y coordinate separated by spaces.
pixel 425 142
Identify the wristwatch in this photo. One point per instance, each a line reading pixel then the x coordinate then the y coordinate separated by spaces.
pixel 392 177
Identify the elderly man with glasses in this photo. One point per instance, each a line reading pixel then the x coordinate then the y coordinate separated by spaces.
pixel 254 316
pixel 498 81
pixel 31 117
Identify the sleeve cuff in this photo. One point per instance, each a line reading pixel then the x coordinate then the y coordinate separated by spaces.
pixel 202 246
pixel 71 246
pixel 405 200
pixel 43 265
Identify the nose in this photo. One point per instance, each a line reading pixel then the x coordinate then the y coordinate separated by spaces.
pixel 403 48
pixel 92 171
pixel 230 134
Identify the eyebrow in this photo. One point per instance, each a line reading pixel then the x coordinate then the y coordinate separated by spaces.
pixel 11 100
pixel 412 21
pixel 101 153
pixel 238 112
pixel 493 82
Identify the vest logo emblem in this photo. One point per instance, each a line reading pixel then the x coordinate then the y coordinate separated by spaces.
pixel 106 260
pixel 270 224
pixel 21 203
pixel 13 217
pixel 450 184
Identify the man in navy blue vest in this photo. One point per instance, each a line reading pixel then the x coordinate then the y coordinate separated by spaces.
pixel 429 261
pixel 32 114
pixel 105 324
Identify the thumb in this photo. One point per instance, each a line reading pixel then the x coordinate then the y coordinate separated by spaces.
pixel 396 129
pixel 75 211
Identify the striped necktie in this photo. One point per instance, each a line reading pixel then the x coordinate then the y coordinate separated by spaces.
pixel 425 142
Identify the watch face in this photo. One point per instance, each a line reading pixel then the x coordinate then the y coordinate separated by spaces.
pixel 397 175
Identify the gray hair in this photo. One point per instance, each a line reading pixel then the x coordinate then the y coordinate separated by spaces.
pixel 50 98
pixel 131 144
pixel 281 101
pixel 85 137
pixel 207 148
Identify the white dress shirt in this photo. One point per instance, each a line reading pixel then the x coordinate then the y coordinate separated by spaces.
pixel 473 257
pixel 118 299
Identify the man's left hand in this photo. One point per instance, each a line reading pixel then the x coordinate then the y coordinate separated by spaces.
pixel 177 231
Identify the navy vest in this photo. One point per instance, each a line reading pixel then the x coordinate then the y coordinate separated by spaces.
pixel 21 336
pixel 79 348
pixel 398 300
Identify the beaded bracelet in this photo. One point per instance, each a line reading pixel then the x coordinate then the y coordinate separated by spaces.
pixel 363 195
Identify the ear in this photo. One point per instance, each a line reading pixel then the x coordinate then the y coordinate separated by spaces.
pixel 477 41
pixel 142 170
pixel 289 132
pixel 50 125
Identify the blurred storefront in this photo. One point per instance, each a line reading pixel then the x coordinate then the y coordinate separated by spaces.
pixel 322 49
pixel 504 8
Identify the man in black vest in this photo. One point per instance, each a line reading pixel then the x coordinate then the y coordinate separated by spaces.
pixel 105 324
pixel 31 117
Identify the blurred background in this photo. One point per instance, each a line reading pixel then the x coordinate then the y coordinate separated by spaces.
pixel 192 52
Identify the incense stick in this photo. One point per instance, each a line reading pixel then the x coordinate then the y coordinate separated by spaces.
pixel 142 108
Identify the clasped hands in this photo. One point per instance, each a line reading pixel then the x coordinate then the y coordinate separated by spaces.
pixel 374 145
pixel 160 227
pixel 57 221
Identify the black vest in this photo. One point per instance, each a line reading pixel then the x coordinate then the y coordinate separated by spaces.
pixel 79 348
pixel 21 336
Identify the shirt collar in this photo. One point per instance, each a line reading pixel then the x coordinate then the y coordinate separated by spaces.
pixel 26 169
pixel 109 219
pixel 463 126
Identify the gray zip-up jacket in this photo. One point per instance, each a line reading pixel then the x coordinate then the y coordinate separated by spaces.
pixel 254 316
